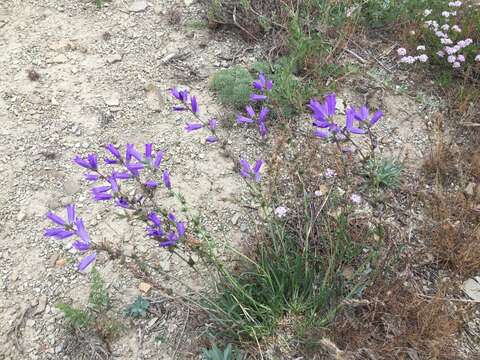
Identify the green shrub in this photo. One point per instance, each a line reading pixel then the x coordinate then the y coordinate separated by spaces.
pixel 383 173
pixel 216 354
pixel 95 317
pixel 298 273
pixel 233 87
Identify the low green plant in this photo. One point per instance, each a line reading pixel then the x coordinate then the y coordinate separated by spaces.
pixel 138 308
pixel 217 354
pixel 95 317
pixel 382 173
pixel 76 318
pixel 99 3
pixel 298 273
pixel 233 86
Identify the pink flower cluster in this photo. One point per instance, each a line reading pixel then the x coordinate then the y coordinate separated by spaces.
pixel 446 33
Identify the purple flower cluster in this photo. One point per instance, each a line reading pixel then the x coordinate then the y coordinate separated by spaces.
pixel 357 121
pixel 189 103
pixel 251 171
pixel 128 166
pixel 66 229
pixel 167 232
pixel 263 86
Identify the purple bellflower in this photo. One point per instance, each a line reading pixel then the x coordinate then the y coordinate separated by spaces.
pixel 363 115
pixel 83 245
pixel 192 127
pixel 181 95
pixel 166 179
pixel 65 228
pixel 263 85
pixel 73 226
pixel 90 163
pixel 323 114
pixel 156 230
pixel 248 171
pixel 158 159
pixel 260 119
pixel 350 118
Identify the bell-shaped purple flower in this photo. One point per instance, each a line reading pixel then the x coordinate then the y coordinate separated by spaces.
pixel 131 152
pixel 350 119
pixel 181 95
pixel 192 127
pixel 194 104
pixel 166 179
pixel 258 97
pixel 363 115
pixel 90 163
pixel 65 229
pixel 248 171
pixel 151 184
pixel 262 83
pixel 211 139
pixel 158 159
pixel 114 151
pixel 212 124
pixel 86 261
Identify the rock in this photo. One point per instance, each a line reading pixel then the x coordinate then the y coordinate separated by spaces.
pixel 470 189
pixel 59 59
pixel 235 218
pixel 154 102
pixel 42 303
pixel 144 287
pixel 21 216
pixel 471 287
pixel 114 58
pixel 113 100
pixel 53 260
pixel 60 263
pixel 168 57
pixel 138 6
pixel 72 185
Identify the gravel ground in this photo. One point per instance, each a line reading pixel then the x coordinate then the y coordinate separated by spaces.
pixel 103 76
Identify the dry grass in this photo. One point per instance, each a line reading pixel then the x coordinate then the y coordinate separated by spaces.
pixel 394 322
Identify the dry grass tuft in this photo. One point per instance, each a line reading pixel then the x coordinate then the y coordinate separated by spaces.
pixel 396 323
pixel 454 233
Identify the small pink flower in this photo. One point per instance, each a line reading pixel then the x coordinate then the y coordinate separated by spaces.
pixel 445 27
pixel 280 211
pixel 440 53
pixel 445 14
pixel 456 28
pixel 401 51
pixel 423 58
pixel 477 58
pixel 329 173
pixel 456 64
pixel 356 199
pixel 451 59
pixel 407 59
pixel 455 4
pixel 421 47
pixel 461 58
